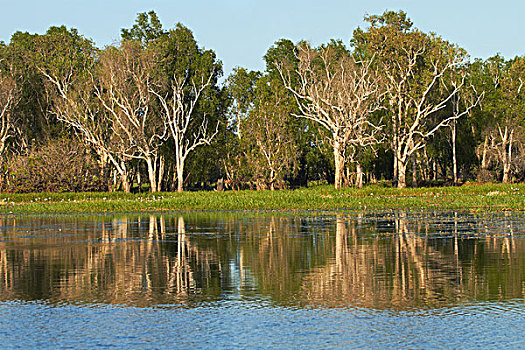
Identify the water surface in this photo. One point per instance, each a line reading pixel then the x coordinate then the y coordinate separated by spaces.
pixel 233 280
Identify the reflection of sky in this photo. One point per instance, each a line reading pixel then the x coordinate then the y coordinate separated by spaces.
pixel 240 324
pixel 241 31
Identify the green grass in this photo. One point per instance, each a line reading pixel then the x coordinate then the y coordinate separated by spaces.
pixel 480 197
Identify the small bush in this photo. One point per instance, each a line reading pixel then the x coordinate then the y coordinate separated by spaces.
pixel 485 176
pixel 59 166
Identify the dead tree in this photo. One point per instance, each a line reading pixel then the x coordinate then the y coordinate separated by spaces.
pixel 339 94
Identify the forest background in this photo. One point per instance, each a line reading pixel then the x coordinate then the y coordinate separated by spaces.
pixel 396 106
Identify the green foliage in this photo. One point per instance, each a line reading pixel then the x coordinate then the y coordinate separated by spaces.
pixel 268 135
pixel 240 87
pixel 32 110
pixel 284 52
pixel 147 28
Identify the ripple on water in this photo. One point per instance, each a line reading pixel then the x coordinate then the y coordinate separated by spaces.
pixel 320 280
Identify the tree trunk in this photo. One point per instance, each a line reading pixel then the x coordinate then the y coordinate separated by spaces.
pixel 114 180
pixel 105 169
pixel 507 160
pixel 484 162
pixel 126 185
pixel 394 176
pixel 401 174
pixel 220 184
pixel 454 158
pixel 359 175
pixel 180 178
pixel 339 165
pixel 160 173
pixel 414 171
pixel 272 180
pixel 139 178
pixel 425 167
pixel 152 174
pixel 395 145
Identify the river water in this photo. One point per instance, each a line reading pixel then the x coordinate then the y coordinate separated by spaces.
pixel 387 279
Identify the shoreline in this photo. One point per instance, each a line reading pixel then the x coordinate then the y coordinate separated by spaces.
pixel 488 197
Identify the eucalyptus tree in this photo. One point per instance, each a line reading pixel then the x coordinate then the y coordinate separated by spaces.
pixel 339 93
pixel 462 104
pixel 147 28
pixel 413 64
pixel 69 64
pixel 514 113
pixel 9 98
pixel 240 91
pixel 503 110
pixel 270 140
pixel 32 111
pixel 307 136
pixel 186 82
pixel 123 87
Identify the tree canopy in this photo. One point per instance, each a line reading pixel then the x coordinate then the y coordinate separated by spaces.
pixel 152 111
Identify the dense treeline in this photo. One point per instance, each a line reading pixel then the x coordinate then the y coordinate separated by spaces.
pixel 396 105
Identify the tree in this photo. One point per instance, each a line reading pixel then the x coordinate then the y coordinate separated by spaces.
pixel 503 110
pixel 413 64
pixel 35 125
pixel 124 90
pixel 269 140
pixel 241 89
pixel 508 128
pixel 339 93
pixel 462 103
pixel 9 98
pixel 186 75
pixel 68 61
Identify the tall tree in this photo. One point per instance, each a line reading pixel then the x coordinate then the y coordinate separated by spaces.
pixel 67 61
pixel 124 89
pixel 503 110
pixel 35 123
pixel 240 89
pixel 413 64
pixel 514 96
pixel 9 98
pixel 186 80
pixel 270 141
pixel 339 93
pixel 461 105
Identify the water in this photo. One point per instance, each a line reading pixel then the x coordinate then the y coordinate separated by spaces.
pixel 391 279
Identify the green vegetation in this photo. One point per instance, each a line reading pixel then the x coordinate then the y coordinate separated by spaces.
pixel 394 104
pixel 323 197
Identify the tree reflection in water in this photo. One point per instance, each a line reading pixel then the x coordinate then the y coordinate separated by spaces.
pixel 396 260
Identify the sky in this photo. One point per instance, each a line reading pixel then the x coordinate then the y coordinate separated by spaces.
pixel 241 31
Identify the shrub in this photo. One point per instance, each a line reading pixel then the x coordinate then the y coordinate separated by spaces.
pixel 485 176
pixel 59 166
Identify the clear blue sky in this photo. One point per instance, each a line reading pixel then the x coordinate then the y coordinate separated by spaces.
pixel 240 31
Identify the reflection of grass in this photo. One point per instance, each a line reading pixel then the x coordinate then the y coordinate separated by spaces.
pixel 498 197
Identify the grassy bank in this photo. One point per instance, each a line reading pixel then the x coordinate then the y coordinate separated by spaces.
pixel 481 197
